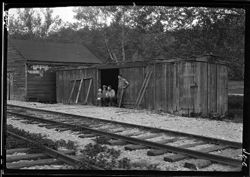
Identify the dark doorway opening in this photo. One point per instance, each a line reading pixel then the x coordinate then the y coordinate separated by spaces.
pixel 110 77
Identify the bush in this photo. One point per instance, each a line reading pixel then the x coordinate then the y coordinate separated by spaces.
pixel 38 137
pixel 104 157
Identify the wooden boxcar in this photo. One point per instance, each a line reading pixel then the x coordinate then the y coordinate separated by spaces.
pixel 31 67
pixel 198 85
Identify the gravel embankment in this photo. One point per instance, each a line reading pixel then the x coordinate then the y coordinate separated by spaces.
pixel 138 156
pixel 200 126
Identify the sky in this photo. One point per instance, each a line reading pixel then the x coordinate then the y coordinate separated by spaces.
pixel 65 13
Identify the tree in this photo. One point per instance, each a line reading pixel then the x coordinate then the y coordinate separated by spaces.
pixel 50 24
pixel 26 24
pixel 29 23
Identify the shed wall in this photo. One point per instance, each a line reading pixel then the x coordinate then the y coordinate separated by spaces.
pixel 41 83
pixel 16 71
pixel 65 80
pixel 184 88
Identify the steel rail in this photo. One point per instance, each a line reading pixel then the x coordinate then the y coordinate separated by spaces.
pixel 187 152
pixel 55 154
pixel 205 138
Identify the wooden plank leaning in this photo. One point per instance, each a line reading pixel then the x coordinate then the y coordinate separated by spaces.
pixel 79 90
pixel 86 99
pixel 144 89
pixel 72 90
pixel 143 85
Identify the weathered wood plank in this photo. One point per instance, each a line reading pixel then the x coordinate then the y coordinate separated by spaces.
pixel 177 157
pixel 197 164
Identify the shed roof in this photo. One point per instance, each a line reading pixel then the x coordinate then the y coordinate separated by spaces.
pixel 207 58
pixel 53 52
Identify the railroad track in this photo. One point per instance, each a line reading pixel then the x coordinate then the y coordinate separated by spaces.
pixel 133 137
pixel 46 156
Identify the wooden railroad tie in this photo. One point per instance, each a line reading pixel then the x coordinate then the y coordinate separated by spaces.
pixel 177 157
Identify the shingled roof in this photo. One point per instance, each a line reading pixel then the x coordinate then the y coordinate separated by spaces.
pixel 53 52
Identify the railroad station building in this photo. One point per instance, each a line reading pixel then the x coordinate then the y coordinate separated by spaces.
pixel 31 67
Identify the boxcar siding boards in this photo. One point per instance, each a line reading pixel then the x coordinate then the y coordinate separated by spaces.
pixel 193 87
pixel 186 81
pixel 144 99
pixel 64 90
pixel 177 92
pixel 198 89
pixel 92 93
pixel 164 85
pixel 182 89
pixel 226 90
pixel 221 90
pixel 203 90
pixel 218 89
pixel 68 85
pixel 81 95
pixel 150 93
pixel 212 88
pixel 58 85
pixel 178 87
pixel 158 87
pixel 171 88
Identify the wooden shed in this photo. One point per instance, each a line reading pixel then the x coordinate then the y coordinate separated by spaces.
pixel 197 85
pixel 31 67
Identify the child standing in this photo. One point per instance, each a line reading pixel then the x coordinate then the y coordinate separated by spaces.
pixel 99 97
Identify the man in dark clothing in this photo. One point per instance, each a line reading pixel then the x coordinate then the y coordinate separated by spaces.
pixel 122 85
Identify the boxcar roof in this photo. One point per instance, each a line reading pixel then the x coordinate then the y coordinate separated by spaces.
pixel 202 58
pixel 53 52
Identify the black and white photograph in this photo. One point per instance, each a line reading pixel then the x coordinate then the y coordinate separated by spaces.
pixel 125 87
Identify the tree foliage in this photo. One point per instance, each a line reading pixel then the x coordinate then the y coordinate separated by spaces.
pixel 130 33
pixel 30 24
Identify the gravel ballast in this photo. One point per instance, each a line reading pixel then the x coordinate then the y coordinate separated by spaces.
pixel 199 126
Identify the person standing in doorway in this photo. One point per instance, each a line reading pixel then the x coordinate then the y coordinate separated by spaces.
pixel 99 97
pixel 122 85
pixel 104 95
pixel 110 96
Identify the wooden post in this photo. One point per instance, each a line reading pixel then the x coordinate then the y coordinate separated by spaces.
pixel 73 87
pixel 86 99
pixel 79 90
